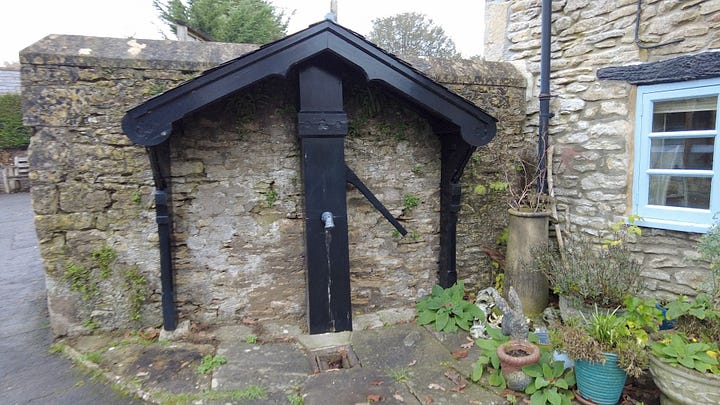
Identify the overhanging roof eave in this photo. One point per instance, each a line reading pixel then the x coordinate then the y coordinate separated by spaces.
pixel 151 122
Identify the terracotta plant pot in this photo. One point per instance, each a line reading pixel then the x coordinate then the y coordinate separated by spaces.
pixel 514 355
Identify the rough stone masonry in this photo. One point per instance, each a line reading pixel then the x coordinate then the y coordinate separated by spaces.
pixel 237 198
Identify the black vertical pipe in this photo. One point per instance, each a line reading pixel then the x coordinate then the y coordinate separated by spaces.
pixel 166 273
pixel 544 93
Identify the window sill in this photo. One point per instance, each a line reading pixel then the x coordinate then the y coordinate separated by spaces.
pixel 673 225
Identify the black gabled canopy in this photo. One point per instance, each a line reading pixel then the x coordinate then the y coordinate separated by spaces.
pixel 151 123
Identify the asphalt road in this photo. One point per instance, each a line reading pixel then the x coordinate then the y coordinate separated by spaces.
pixel 29 374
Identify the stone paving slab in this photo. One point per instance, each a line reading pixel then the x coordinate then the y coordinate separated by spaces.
pixel 357 385
pixel 279 368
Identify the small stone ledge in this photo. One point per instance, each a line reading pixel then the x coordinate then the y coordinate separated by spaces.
pixel 684 68
pixel 77 50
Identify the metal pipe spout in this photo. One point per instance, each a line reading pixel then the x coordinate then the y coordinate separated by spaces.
pixel 327 218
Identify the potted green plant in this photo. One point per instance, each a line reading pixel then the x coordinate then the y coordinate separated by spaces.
pixel 684 360
pixel 587 273
pixel 605 349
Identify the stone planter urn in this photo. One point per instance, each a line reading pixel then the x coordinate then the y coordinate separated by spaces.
pixel 526 230
pixel 514 355
pixel 681 385
pixel 572 307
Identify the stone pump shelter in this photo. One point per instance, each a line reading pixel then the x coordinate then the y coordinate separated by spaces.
pixel 317 61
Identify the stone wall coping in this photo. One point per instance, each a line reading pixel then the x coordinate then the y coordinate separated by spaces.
pixel 78 50
pixel 468 72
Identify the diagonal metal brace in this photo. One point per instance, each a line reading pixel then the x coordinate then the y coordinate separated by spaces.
pixel 353 179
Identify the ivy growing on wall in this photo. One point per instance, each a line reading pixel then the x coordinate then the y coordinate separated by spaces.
pixel 12 132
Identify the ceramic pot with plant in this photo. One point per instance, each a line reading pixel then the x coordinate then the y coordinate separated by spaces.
pixel 684 360
pixel 587 273
pixel 513 356
pixel 605 348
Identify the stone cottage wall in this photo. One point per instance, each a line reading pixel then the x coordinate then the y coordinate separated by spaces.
pixel 237 197
pixel 592 128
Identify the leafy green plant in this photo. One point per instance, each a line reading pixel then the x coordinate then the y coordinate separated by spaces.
pixel 603 333
pixel 251 339
pixel 104 257
pixel 136 284
pixel 91 324
pixel 447 310
pixel 676 349
pixel 12 132
pixel 693 343
pixel 137 198
pixel 400 375
pixel 80 279
pixel 295 399
pixel 488 362
pixel 642 316
pixel 590 273
pixel 410 201
pixel 209 363
pixel 551 383
pixel 709 249
pixel 271 196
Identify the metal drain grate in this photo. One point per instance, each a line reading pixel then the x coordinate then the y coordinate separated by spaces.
pixel 335 358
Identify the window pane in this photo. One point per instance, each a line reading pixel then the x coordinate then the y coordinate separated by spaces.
pixel 692 114
pixel 688 153
pixel 679 191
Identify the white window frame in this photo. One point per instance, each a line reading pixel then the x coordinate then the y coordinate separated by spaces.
pixel 667 217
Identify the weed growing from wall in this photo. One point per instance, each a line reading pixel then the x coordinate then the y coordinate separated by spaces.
pixel 410 201
pixel 136 284
pixel 80 280
pixel 104 258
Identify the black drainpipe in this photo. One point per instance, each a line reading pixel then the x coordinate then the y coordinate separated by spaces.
pixel 544 94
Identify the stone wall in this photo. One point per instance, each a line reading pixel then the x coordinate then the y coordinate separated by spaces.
pixel 237 198
pixel 592 128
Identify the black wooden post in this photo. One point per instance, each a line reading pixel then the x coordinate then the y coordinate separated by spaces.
pixel 322 126
pixel 160 164
pixel 454 156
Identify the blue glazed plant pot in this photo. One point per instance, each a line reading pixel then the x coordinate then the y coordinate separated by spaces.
pixel 666 325
pixel 601 383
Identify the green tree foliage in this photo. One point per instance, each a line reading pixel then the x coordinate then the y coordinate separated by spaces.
pixel 12 132
pixel 412 34
pixel 240 21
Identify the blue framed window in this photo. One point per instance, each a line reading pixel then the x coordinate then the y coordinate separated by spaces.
pixel 676 182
